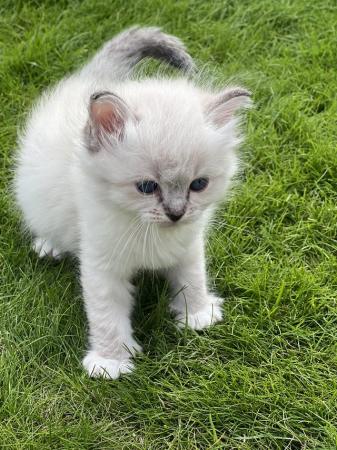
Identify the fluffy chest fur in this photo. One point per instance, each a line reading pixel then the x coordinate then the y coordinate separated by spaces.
pixel 125 244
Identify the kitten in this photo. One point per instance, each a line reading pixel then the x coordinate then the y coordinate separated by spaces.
pixel 124 174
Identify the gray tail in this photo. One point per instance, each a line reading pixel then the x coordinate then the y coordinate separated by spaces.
pixel 117 57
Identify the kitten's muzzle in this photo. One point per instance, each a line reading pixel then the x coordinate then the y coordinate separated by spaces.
pixel 175 207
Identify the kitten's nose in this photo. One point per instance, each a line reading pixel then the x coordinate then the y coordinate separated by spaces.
pixel 175 216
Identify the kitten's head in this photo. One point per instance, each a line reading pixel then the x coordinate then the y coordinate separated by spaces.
pixel 164 151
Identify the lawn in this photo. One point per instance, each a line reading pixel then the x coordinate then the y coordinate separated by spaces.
pixel 265 378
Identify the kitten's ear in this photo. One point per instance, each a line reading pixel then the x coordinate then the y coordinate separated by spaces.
pixel 108 114
pixel 221 108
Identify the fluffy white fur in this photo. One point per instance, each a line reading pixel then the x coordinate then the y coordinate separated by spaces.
pixel 78 164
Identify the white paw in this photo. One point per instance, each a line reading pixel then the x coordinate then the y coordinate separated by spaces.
pixel 98 366
pixel 44 248
pixel 209 314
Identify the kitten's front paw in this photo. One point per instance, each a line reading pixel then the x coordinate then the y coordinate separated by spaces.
pixel 207 315
pixel 98 366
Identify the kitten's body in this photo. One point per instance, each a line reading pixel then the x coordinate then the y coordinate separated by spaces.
pixel 79 161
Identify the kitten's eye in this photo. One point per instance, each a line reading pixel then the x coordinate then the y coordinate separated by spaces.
pixel 199 184
pixel 147 186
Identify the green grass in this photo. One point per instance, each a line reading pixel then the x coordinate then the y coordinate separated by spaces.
pixel 265 378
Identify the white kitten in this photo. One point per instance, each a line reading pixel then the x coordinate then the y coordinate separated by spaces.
pixel 124 174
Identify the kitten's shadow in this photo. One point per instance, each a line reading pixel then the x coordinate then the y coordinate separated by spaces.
pixel 153 324
pixel 58 296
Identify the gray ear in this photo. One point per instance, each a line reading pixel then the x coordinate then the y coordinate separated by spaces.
pixel 221 108
pixel 108 114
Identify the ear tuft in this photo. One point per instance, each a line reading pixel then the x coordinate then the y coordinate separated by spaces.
pixel 108 114
pixel 223 106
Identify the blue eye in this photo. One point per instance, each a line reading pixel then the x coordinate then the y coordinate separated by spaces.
pixel 147 186
pixel 199 184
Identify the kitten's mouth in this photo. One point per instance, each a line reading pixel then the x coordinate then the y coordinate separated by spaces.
pixel 168 224
pixel 171 224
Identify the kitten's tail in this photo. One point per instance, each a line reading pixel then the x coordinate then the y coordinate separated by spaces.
pixel 116 59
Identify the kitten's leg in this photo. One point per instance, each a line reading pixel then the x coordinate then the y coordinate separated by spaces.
pixel 43 248
pixel 108 301
pixel 192 304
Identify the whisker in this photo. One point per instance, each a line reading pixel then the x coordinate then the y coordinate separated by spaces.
pixel 135 236
pixel 116 253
